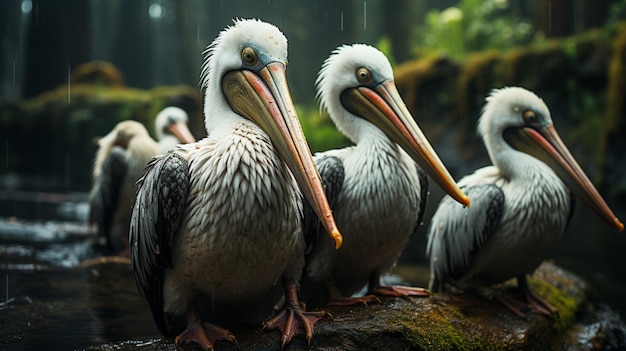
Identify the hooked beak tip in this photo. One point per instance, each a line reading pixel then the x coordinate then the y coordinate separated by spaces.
pixel 619 225
pixel 337 238
pixel 465 200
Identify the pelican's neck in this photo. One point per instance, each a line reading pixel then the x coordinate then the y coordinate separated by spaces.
pixel 168 142
pixel 218 115
pixel 355 128
pixel 378 158
pixel 515 165
pixel 374 142
pixel 160 132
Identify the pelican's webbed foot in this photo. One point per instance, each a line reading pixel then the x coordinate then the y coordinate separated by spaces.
pixel 203 334
pixel 375 288
pixel 292 317
pixel 537 303
pixel 522 301
pixel 400 291
pixel 349 301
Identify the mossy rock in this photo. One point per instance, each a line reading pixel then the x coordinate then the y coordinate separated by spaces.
pixel 97 72
pixel 448 322
pixel 53 133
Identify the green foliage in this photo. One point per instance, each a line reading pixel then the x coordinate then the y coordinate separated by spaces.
pixel 385 46
pixel 617 14
pixel 474 25
pixel 319 130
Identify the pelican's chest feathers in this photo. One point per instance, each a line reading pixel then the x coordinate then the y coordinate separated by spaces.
pixel 240 185
pixel 539 199
pixel 380 181
pixel 536 200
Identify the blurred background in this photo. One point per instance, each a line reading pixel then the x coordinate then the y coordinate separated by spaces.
pixel 70 70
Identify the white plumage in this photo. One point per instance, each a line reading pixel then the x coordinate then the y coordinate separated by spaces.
pixel 171 128
pixel 376 188
pixel 216 223
pixel 520 205
pixel 120 161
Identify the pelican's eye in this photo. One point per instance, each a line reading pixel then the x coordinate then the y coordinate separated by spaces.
pixel 249 56
pixel 363 75
pixel 530 117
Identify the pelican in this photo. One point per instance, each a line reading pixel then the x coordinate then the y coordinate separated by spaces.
pixel 171 129
pixel 120 161
pixel 376 188
pixel 520 205
pixel 216 223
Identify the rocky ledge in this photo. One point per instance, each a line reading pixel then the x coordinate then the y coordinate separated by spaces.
pixel 448 322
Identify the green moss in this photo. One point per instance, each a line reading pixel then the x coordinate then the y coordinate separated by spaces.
pixel 410 76
pixel 479 73
pixel 97 73
pixel 62 127
pixel 567 305
pixel 451 331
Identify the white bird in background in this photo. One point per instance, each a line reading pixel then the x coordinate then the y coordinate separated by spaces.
pixel 120 161
pixel 216 224
pixel 520 205
pixel 171 128
pixel 376 188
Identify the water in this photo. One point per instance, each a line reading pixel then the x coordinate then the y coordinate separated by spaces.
pixel 56 288
pixel 71 308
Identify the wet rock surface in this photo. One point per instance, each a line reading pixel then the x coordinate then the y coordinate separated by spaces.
pixel 88 306
pixel 58 291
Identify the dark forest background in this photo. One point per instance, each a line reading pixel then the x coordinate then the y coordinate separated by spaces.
pixel 159 42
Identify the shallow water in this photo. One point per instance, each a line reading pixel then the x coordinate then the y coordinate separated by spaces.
pixel 64 309
pixel 57 291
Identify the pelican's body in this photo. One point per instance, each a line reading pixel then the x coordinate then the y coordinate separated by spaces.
pixel 216 223
pixel 376 189
pixel 378 208
pixel 520 205
pixel 229 198
pixel 171 129
pixel 120 161
pixel 529 212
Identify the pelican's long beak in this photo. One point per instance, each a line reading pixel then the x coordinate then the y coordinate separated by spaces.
pixel 384 107
pixel 264 98
pixel 546 145
pixel 181 131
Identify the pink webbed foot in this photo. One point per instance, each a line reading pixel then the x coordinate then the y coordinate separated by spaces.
pixel 540 305
pixel 400 291
pixel 523 300
pixel 204 334
pixel 349 301
pixel 290 319
pixel 292 316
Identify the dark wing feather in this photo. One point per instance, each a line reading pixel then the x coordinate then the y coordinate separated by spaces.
pixel 105 193
pixel 157 215
pixel 331 171
pixel 455 232
pixel 572 207
pixel 423 178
